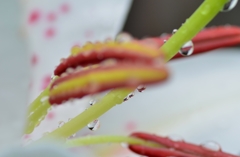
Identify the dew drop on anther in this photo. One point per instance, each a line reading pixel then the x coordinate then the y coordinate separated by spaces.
pixel 141 88
pixel 123 37
pixel 229 5
pixel 52 76
pixel 175 138
pixel 212 146
pixel 187 49
pixel 94 125
pixel 61 123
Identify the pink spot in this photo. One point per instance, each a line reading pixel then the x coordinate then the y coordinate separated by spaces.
pixel 51 17
pixel 50 115
pixel 65 8
pixel 88 34
pixel 131 126
pixel 30 85
pixel 34 59
pixel 50 32
pixel 77 45
pixel 26 136
pixel 34 16
pixel 45 81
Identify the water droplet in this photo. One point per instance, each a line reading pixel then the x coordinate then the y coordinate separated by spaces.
pixel 123 37
pixel 164 41
pixel 52 76
pixel 30 113
pixel 73 135
pixel 229 5
pixel 64 74
pixel 46 133
pixel 70 70
pixel 175 138
pixel 62 60
pixel 43 99
pixel 61 123
pixel 41 118
pixel 124 145
pixel 174 31
pixel 141 88
pixel 210 145
pixel 92 102
pixel 125 99
pixel 187 49
pixel 206 10
pixel 130 95
pixel 94 125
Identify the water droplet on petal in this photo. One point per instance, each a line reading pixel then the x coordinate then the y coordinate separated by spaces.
pixel 141 88
pixel 43 99
pixel 46 133
pixel 212 146
pixel 61 123
pixel 175 138
pixel 174 31
pixel 164 41
pixel 94 125
pixel 229 5
pixel 124 145
pixel 187 49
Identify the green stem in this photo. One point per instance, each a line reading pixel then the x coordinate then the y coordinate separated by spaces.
pixel 37 111
pixel 202 16
pixel 89 140
pixel 107 102
pixel 193 25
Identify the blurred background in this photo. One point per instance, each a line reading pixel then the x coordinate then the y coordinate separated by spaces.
pixel 152 18
pixel 200 101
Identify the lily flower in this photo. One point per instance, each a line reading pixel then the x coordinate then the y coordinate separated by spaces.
pixel 121 67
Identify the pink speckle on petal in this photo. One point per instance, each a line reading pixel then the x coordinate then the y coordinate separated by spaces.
pixel 30 85
pixel 26 136
pixel 88 34
pixel 51 17
pixel 45 81
pixel 34 16
pixel 50 115
pixel 131 126
pixel 50 32
pixel 65 8
pixel 34 59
